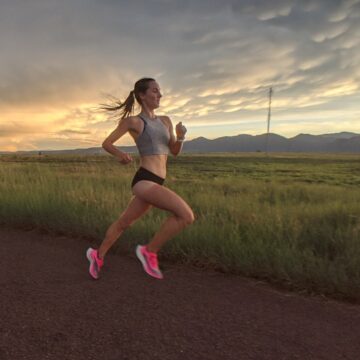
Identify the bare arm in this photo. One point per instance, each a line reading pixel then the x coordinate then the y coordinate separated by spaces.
pixel 175 144
pixel 122 129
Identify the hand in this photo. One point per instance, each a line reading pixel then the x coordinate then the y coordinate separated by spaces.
pixel 180 130
pixel 124 158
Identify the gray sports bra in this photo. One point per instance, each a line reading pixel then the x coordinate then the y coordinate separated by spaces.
pixel 154 140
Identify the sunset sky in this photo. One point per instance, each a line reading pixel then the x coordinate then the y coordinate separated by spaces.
pixel 213 59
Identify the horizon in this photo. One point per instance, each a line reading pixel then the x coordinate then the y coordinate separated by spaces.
pixel 199 137
pixel 214 62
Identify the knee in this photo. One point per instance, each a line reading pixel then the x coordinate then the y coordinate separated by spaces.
pixel 188 218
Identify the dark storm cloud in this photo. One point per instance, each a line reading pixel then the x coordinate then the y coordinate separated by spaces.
pixel 88 41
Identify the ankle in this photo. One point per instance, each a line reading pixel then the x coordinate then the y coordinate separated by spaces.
pixel 151 249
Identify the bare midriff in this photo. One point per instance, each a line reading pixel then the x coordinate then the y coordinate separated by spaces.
pixel 155 163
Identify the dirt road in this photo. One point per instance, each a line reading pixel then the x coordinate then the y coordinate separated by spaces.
pixel 51 309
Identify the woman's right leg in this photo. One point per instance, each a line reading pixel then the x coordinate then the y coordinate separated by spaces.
pixel 136 208
pixel 163 198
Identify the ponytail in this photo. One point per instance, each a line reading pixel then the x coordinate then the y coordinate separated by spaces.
pixel 117 108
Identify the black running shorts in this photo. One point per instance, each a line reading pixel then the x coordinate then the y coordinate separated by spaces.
pixel 143 174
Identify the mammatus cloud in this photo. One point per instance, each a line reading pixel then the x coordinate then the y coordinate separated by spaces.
pixel 215 62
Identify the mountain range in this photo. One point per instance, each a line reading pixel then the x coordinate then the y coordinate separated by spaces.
pixel 339 142
pixel 343 142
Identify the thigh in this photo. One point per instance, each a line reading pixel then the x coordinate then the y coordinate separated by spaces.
pixel 136 208
pixel 161 197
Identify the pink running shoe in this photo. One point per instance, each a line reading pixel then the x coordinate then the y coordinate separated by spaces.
pixel 95 262
pixel 149 261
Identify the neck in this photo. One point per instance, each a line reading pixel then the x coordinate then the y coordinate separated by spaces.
pixel 148 113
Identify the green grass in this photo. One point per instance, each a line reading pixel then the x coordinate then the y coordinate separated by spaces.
pixel 289 218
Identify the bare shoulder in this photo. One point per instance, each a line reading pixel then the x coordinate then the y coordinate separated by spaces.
pixel 129 121
pixel 166 120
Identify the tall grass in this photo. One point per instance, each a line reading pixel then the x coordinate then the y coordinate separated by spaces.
pixel 294 221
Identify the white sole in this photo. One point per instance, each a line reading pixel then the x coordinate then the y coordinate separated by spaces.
pixel 88 252
pixel 140 257
pixel 143 262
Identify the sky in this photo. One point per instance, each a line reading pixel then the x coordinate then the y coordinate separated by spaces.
pixel 214 60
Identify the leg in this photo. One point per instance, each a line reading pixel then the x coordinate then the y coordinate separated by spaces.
pixel 163 198
pixel 136 208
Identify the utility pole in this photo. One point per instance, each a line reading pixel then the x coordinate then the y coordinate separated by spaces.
pixel 268 121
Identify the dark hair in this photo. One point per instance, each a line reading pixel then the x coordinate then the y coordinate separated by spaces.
pixel 127 107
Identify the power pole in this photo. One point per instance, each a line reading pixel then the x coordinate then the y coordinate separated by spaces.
pixel 268 120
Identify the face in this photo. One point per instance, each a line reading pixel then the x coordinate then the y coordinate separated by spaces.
pixel 151 98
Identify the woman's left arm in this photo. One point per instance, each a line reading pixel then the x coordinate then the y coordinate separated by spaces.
pixel 176 143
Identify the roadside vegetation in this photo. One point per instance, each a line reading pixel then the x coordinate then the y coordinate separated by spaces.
pixel 291 219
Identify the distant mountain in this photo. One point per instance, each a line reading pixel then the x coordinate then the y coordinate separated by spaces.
pixel 342 135
pixel 309 143
pixel 335 143
pixel 342 142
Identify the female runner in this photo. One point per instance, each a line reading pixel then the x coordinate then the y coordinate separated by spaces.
pixel 154 138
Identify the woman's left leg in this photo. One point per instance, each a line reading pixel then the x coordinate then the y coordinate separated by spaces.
pixel 135 209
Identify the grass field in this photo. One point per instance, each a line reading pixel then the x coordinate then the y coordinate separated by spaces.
pixel 292 219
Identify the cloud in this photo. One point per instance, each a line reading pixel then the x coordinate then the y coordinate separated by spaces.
pixel 214 60
pixel 71 132
pixel 16 129
pixel 60 143
pixel 263 10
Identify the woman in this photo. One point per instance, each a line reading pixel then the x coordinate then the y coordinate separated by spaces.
pixel 154 137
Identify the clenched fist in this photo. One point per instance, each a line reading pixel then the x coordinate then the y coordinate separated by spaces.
pixel 124 158
pixel 180 130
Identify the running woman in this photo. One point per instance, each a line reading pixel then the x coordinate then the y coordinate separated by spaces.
pixel 154 138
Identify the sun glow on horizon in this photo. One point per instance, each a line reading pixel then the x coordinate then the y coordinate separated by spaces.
pixel 214 67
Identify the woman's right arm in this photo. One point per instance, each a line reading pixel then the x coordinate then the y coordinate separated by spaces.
pixel 108 146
